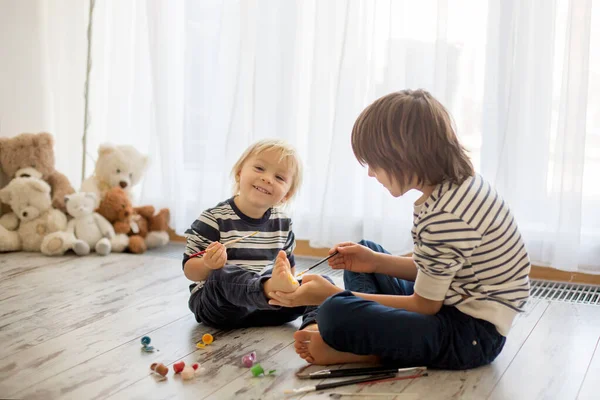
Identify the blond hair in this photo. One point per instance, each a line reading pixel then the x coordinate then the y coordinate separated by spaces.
pixel 286 152
pixel 408 134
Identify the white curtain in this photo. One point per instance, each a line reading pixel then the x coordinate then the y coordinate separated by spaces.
pixel 541 125
pixel 193 83
pixel 137 94
pixel 42 69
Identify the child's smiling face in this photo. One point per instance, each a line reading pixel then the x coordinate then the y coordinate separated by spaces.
pixel 265 180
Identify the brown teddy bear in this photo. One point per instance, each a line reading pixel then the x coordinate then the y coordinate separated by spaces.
pixel 32 155
pixel 135 222
pixel 156 222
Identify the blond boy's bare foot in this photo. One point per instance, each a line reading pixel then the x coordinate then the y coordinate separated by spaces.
pixel 281 279
pixel 311 347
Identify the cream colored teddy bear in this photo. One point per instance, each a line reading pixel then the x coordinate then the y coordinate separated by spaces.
pixel 91 229
pixel 121 166
pixel 30 200
pixel 85 231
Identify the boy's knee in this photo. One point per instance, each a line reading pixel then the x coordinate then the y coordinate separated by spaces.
pixel 369 244
pixel 351 275
pixel 332 314
pixel 373 246
pixel 355 281
pixel 224 274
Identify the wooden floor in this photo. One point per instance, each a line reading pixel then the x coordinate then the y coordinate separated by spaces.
pixel 70 328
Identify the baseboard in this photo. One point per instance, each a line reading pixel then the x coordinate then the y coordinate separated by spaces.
pixel 553 274
pixel 175 237
pixel 537 272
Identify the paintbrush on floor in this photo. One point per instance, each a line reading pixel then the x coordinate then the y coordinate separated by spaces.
pixel 323 386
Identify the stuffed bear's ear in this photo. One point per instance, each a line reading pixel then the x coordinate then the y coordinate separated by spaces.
pixel 39 185
pixel 91 195
pixel 105 149
pixel 44 139
pixel 5 196
pixel 144 162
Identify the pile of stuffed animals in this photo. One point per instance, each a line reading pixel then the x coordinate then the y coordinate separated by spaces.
pixel 41 211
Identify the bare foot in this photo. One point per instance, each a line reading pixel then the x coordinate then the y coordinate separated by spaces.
pixel 302 346
pixel 310 346
pixel 281 279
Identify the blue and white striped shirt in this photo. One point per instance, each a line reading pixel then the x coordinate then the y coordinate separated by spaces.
pixel 226 222
pixel 469 252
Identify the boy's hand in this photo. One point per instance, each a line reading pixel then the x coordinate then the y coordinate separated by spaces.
pixel 353 257
pixel 215 256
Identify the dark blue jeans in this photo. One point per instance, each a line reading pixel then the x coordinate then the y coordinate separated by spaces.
pixel 233 297
pixel 448 340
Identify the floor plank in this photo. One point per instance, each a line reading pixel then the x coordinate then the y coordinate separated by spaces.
pixel 31 366
pixel 22 275
pixel 95 301
pixel 126 364
pixel 66 280
pixel 14 264
pixel 479 382
pixel 222 360
pixel 70 329
pixel 554 359
pixel 590 389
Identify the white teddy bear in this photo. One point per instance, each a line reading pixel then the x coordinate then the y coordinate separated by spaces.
pixel 121 166
pixel 91 229
pixel 10 220
pixel 85 231
pixel 30 200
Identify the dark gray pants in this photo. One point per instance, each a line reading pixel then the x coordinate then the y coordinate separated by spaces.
pixel 233 297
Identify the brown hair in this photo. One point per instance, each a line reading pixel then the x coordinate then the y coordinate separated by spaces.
pixel 409 133
pixel 286 152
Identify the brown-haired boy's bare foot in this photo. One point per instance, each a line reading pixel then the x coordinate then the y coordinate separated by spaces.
pixel 281 279
pixel 311 347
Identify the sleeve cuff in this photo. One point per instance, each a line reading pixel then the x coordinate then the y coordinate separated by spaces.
pixel 432 288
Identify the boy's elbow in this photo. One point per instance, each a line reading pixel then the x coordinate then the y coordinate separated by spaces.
pixel 433 309
pixel 188 270
pixel 427 306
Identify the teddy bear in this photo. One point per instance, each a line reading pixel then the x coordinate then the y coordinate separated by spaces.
pixel 91 229
pixel 86 230
pixel 30 200
pixel 158 225
pixel 123 166
pixel 116 208
pixel 32 155
pixel 117 166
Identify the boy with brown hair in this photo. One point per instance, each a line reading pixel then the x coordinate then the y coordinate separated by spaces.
pixel 452 303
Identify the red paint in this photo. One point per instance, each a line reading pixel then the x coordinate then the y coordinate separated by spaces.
pixel 178 367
